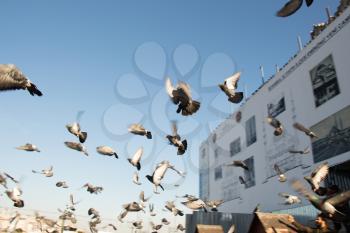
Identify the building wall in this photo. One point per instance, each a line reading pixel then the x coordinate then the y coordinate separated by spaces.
pixel 291 96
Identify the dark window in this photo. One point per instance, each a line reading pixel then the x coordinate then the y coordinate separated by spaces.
pixel 235 147
pixel 249 175
pixel 250 130
pixel 218 172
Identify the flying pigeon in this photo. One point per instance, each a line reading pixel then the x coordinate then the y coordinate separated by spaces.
pixel 170 205
pixel 196 204
pixel 62 184
pixel 93 213
pixel 74 129
pixel 175 140
pixel 15 197
pixel 302 152
pixel 326 205
pixel 291 7
pixel 135 178
pixel 276 124
pixel 307 131
pixel 238 163
pixel 143 199
pixel 181 96
pixel 151 209
pixel 28 147
pixel 106 150
pixel 155 227
pixel 138 129
pixel 317 176
pixel 159 173
pixel 229 88
pixel 72 203
pixel 92 189
pixel 46 172
pixel 290 199
pixel 130 207
pixel 214 204
pixel 11 78
pixel 281 176
pixel 111 226
pixel 135 160
pixel 180 227
pixel 165 221
pixel 77 146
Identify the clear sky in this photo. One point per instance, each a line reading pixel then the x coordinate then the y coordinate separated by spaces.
pixel 108 59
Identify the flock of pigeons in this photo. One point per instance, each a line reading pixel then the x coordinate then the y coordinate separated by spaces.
pixel 11 78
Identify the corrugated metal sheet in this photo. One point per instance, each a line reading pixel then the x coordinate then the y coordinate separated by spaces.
pixel 241 221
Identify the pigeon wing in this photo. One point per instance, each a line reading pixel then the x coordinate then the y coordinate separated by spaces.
pixel 339 199
pixel 319 174
pixel 290 8
pixel 11 78
pixel 232 81
pixel 137 156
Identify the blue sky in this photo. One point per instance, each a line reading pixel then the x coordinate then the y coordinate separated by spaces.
pixel 108 59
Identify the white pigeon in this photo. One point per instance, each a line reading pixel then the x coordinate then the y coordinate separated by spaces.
pixel 138 129
pixel 15 196
pixel 135 179
pixel 229 88
pixel 159 173
pixel 290 199
pixel 11 78
pixel 135 160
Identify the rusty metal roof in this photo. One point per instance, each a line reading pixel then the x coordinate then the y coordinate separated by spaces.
pixel 201 228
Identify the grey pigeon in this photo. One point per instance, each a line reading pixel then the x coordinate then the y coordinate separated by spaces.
pixel 106 150
pixel 75 129
pixel 276 124
pixel 175 140
pixel 138 129
pixel 28 147
pixel 291 7
pixel 11 78
pixel 181 96
pixel 77 146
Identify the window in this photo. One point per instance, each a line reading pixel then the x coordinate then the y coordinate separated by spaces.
pixel 235 147
pixel 204 183
pixel 324 81
pixel 218 173
pixel 249 175
pixel 250 131
pixel 216 154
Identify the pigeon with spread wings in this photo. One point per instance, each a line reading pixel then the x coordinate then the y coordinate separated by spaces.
pixel 135 160
pixel 276 124
pixel 12 78
pixel 317 176
pixel 238 163
pixel 46 172
pixel 175 140
pixel 158 174
pixel 291 7
pixel 181 96
pixel 290 199
pixel 229 88
pixel 307 131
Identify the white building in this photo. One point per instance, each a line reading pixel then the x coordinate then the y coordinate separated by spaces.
pixel 312 89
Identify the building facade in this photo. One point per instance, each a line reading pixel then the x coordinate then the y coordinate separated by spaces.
pixel 311 89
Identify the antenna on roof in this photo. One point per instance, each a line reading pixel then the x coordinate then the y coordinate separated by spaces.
pixel 300 44
pixel 329 15
pixel 277 68
pixel 262 74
